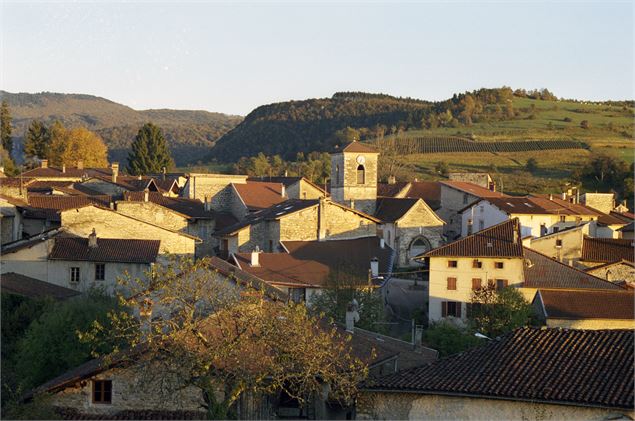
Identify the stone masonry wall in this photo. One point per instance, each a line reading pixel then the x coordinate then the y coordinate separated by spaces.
pixel 419 221
pixel 216 187
pixel 154 214
pixel 615 273
pixel 344 224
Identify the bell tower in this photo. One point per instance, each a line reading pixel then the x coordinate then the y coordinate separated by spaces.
pixel 354 177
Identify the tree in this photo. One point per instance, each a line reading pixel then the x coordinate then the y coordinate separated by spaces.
pixel 584 124
pixel 80 144
pixel 37 140
pixel 531 165
pixel 207 332
pixel 150 152
pixel 442 168
pixel 5 127
pixel 448 338
pixel 7 163
pixel 494 312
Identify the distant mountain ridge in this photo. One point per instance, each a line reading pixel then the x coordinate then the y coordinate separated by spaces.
pixel 190 133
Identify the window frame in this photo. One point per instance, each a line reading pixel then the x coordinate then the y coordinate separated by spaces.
pixel 499 265
pixel 477 264
pixel 477 285
pixel 361 170
pixel 74 272
pixel 100 392
pixel 505 284
pixel 101 272
pixel 445 309
pixel 451 283
pixel 453 264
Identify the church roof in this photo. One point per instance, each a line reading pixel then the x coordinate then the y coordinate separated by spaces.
pixel 359 147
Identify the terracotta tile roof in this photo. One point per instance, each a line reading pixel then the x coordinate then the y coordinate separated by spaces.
pixel 429 191
pixel 472 189
pixel 69 173
pixel 628 228
pixel 284 269
pixel 107 250
pixel 18 245
pixel 606 250
pixel 359 147
pixel 391 190
pixel 258 195
pixel 167 185
pixel 15 181
pixel 624 216
pixel 541 271
pixel 48 206
pixel 287 181
pixel 15 283
pixel 501 240
pixel 193 208
pixel 587 304
pixel 392 209
pixel 540 365
pixel 605 219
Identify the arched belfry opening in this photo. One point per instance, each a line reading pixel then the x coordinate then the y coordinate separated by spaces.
pixel 361 174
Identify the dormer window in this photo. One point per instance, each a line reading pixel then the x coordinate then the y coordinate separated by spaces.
pixel 361 174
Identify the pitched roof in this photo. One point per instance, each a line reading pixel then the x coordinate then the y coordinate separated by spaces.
pixel 48 206
pixel 501 240
pixel 359 147
pixel 18 284
pixel 391 209
pixel 429 191
pixel 391 189
pixel 606 250
pixel 541 271
pixel 192 208
pixel 107 250
pixel 258 195
pixel 275 212
pixel 284 269
pixel 628 228
pixel 24 243
pixel 587 304
pixel 473 189
pixel 532 205
pixel 69 172
pixel 562 366
pixel 624 216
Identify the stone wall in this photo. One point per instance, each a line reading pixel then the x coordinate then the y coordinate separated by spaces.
pixel 480 179
pixel 347 191
pixel 452 201
pixel 29 261
pixel 615 273
pixel 216 187
pixel 299 226
pixel 59 274
pixel 591 324
pixel 604 202
pixel 412 406
pixel 571 247
pixel 344 224
pixel 419 222
pixel 111 224
pixel 154 214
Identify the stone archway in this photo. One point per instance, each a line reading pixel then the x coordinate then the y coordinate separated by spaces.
pixel 418 245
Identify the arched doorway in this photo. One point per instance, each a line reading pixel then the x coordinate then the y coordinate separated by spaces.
pixel 419 246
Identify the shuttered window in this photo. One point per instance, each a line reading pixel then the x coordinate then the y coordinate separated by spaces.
pixel 501 283
pixel 476 283
pixel 452 283
pixel 451 309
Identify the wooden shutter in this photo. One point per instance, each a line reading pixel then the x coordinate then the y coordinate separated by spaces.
pixel 505 283
pixel 451 283
pixel 444 309
pixel 476 283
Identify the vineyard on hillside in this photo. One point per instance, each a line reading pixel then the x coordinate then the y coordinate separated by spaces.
pixel 443 144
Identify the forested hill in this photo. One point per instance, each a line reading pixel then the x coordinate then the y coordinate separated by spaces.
pixel 190 134
pixel 287 128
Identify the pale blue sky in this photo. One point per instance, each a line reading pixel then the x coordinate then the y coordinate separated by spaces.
pixel 233 57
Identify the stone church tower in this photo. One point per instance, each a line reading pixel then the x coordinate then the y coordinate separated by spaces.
pixel 354 177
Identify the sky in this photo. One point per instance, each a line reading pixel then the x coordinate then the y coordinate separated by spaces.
pixel 232 57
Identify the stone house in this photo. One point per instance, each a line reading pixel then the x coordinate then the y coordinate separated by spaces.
pixel 305 268
pixel 529 374
pixel 10 220
pixel 563 245
pixel 64 173
pixel 621 272
pixel 599 251
pixel 354 177
pixel 603 202
pixel 215 188
pixel 111 224
pixel 410 227
pixel 254 196
pixel 79 263
pixel 455 196
pixel 428 191
pixel 117 185
pixel 302 220
pixel 483 180
pixel 586 308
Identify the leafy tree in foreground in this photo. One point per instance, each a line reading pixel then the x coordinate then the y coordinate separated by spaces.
pixel 150 153
pixel 495 312
pixel 37 140
pixel 218 335
pixel 5 127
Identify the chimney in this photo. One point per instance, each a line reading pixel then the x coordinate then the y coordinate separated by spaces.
pixel 321 218
pixel 112 205
pixel 470 226
pixel 92 239
pixel 63 168
pixel 80 165
pixel 255 259
pixel 286 173
pixel 44 163
pixel 207 205
pixel 115 171
pixel 352 204
pixel 392 179
pixel 563 196
pixel 382 243
pixel 146 193
pixel 374 267
pixel 515 235
pixel 352 316
pixel 163 172
pixel 415 180
pixel 283 192
pixel 550 196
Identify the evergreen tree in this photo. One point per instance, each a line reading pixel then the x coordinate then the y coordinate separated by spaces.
pixel 37 140
pixel 150 151
pixel 5 127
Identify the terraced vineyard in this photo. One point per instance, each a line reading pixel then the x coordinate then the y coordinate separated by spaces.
pixel 446 144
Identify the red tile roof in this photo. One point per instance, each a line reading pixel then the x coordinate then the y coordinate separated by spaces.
pixel 284 269
pixel 579 304
pixel 566 366
pixel 70 172
pixel 472 189
pixel 192 208
pixel 258 195
pixel 606 250
pixel 66 202
pixel 542 271
pixel 391 190
pixel 359 147
pixel 501 240
pixel 15 283
pixel 107 250
pixel 429 191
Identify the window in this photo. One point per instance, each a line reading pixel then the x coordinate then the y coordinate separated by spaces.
pixel 476 264
pixel 562 218
pixel 499 265
pixel 419 246
pixel 100 271
pixel 102 391
pixel 450 308
pixel 476 283
pixel 481 225
pixel 501 283
pixel 452 283
pixel 337 175
pixel 74 275
pixel 558 243
pixel 543 229
pixel 465 198
pixel 361 175
pixel 452 263
pixel 491 284
pixel 297 295
pixel 556 229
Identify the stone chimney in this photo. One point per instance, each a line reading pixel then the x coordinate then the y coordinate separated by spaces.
pixel 44 163
pixel 255 258
pixel 563 196
pixel 80 165
pixel 163 172
pixel 283 191
pixel 115 171
pixel 146 194
pixel 63 168
pixel 92 239
pixel 392 179
pixel 374 267
pixel 352 316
